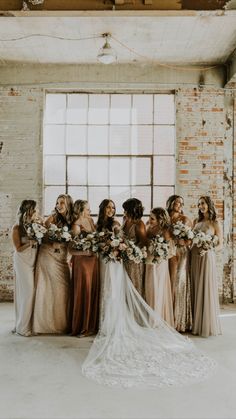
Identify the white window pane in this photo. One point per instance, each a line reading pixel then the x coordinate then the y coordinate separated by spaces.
pixel 119 171
pixel 98 109
pixel 50 196
pixel 97 139
pixel 120 194
pixel 164 139
pixel 77 170
pixel 98 171
pixel 161 194
pixel 144 194
pixel 164 170
pixel 95 197
pixel 140 171
pixel 54 170
pixel 141 139
pixel 120 112
pixel 78 192
pixel 164 109
pixel 119 139
pixel 54 139
pixel 76 136
pixel 77 109
pixel 55 108
pixel 142 109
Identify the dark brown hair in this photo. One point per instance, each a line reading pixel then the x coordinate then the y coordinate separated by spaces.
pixel 25 213
pixel 211 208
pixel 134 208
pixel 103 221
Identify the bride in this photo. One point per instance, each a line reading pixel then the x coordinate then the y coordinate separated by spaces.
pixel 143 353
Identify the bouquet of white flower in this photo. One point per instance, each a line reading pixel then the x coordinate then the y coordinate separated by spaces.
pixel 116 248
pixel 182 231
pixel 35 231
pixel 205 241
pixel 58 234
pixel 88 242
pixel 158 249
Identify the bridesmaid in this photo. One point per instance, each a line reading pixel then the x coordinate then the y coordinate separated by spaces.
pixel 52 276
pixel 179 268
pixel 205 298
pixel 157 277
pixel 108 224
pixel 24 264
pixel 134 229
pixel 85 277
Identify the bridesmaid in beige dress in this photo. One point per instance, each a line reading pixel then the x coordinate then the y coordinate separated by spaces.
pixel 134 229
pixel 205 298
pixel 157 277
pixel 52 276
pixel 106 223
pixel 179 268
pixel 85 277
pixel 24 264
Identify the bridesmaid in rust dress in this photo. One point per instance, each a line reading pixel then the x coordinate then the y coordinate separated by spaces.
pixel 134 229
pixel 85 277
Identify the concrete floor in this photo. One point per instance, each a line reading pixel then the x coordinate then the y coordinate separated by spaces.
pixel 40 378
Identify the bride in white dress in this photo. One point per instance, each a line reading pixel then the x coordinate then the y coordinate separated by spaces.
pixel 126 353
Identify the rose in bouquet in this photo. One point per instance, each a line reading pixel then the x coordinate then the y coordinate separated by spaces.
pixel 116 248
pixel 84 243
pixel 35 231
pixel 58 234
pixel 182 231
pixel 205 241
pixel 158 249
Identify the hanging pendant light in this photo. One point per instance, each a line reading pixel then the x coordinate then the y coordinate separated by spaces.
pixel 106 54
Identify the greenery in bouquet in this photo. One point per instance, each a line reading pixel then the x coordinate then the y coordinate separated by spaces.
pixel 88 242
pixel 158 249
pixel 116 248
pixel 35 231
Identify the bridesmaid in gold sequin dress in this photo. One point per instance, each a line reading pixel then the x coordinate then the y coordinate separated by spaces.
pixel 134 229
pixel 52 276
pixel 157 277
pixel 85 277
pixel 205 299
pixel 24 265
pixel 179 269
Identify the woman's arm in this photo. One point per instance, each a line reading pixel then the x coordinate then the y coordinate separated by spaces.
pixel 141 233
pixel 16 239
pixel 219 234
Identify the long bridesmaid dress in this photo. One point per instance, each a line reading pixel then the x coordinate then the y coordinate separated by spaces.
pixel 52 298
pixel 136 271
pixel 205 299
pixel 182 304
pixel 24 265
pixel 85 293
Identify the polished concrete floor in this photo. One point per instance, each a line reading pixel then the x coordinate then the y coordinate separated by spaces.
pixel 40 378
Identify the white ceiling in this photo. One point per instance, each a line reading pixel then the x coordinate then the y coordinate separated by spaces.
pixel 202 38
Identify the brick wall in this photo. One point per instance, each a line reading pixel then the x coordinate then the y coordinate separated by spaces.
pixel 204 137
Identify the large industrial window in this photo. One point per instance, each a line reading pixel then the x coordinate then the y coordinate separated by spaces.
pixel 114 146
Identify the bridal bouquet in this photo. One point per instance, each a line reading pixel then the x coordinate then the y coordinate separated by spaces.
pixel 58 234
pixel 205 241
pixel 182 231
pixel 88 242
pixel 35 231
pixel 158 249
pixel 116 248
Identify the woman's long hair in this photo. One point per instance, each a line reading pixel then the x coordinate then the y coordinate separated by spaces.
pixel 78 209
pixel 134 208
pixel 162 216
pixel 25 213
pixel 66 219
pixel 171 201
pixel 211 209
pixel 105 223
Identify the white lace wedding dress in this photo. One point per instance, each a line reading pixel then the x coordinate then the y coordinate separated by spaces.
pixel 135 347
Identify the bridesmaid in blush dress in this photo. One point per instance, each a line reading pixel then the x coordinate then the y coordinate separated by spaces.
pixel 107 223
pixel 85 277
pixel 24 264
pixel 157 277
pixel 205 298
pixel 179 268
pixel 52 276
pixel 134 229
